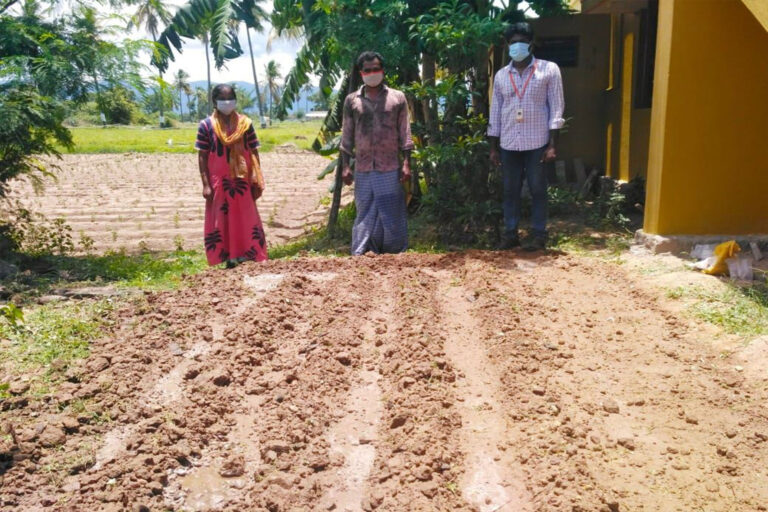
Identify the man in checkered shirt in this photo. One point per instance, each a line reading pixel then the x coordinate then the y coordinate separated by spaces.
pixel 526 116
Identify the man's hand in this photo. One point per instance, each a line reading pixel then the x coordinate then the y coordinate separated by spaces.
pixel 549 154
pixel 207 192
pixel 495 157
pixel 405 172
pixel 346 176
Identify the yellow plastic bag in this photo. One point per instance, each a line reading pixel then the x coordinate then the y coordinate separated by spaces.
pixel 723 252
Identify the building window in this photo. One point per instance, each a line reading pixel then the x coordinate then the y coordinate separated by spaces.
pixel 563 51
pixel 646 55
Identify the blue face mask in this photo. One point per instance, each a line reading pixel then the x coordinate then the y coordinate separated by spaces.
pixel 519 51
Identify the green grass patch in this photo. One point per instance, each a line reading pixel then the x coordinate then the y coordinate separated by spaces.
pixel 146 271
pixel 317 242
pixel 741 310
pixel 587 243
pixel 139 139
pixel 149 270
pixel 53 335
pixel 43 340
pixel 738 310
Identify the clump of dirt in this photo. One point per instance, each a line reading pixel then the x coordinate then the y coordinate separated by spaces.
pixel 468 381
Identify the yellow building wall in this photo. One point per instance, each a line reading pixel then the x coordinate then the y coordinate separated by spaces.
pixel 626 148
pixel 760 9
pixel 708 157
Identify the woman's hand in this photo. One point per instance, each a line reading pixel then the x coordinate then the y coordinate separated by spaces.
pixel 256 192
pixel 207 192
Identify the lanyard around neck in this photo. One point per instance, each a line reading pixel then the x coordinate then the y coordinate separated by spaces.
pixel 525 86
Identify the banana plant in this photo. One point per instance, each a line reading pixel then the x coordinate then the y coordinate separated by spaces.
pixel 214 22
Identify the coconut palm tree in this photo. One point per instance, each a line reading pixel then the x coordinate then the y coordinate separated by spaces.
pixel 214 22
pixel 181 84
pixel 150 15
pixel 272 72
pixel 190 101
pixel 201 100
pixel 253 15
pixel 306 90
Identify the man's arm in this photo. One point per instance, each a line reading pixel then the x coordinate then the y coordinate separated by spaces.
pixel 556 108
pixel 405 140
pixel 494 122
pixel 346 171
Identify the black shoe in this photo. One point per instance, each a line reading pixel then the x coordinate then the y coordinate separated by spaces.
pixel 508 243
pixel 535 243
pixel 231 264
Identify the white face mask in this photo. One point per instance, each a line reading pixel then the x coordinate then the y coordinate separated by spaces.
pixel 373 79
pixel 519 51
pixel 226 107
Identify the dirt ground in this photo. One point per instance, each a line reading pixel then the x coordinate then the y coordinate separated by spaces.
pixel 154 201
pixel 467 381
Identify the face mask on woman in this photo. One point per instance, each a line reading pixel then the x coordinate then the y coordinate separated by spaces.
pixel 226 107
pixel 519 51
pixel 373 79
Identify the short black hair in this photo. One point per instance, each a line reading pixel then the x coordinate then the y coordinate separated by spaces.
pixel 368 56
pixel 219 89
pixel 523 28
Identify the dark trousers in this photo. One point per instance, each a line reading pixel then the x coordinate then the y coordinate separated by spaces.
pixel 514 166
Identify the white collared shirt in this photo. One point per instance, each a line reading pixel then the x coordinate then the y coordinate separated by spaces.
pixel 542 105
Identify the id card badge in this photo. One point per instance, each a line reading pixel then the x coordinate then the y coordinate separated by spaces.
pixel 519 117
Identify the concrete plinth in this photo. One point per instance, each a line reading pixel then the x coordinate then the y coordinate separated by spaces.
pixel 677 244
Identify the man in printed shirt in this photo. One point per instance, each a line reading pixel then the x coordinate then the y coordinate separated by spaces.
pixel 376 131
pixel 526 115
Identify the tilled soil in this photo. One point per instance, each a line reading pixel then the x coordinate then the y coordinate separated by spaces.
pixel 154 201
pixel 468 381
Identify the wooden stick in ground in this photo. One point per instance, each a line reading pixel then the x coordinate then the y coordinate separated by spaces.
pixel 336 203
pixel 354 82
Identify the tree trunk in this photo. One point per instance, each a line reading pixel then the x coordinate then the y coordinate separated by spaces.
pixel 333 217
pixel 98 97
pixel 483 58
pixel 428 105
pixel 412 76
pixel 181 108
pixel 255 78
pixel 160 85
pixel 208 68
pixel 480 85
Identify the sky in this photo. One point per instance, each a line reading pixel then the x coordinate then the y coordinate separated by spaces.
pixel 192 58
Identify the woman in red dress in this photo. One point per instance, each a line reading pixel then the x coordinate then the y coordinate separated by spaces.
pixel 231 174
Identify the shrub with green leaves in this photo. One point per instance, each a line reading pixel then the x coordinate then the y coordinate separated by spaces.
pixel 30 126
pixel 50 57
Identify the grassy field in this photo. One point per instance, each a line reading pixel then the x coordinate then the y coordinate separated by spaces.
pixel 139 139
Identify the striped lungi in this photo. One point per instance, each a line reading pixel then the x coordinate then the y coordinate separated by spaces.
pixel 381 224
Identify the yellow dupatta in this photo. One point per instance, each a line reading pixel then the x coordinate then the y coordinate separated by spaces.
pixel 238 168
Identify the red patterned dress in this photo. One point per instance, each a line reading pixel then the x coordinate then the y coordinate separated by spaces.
pixel 233 228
